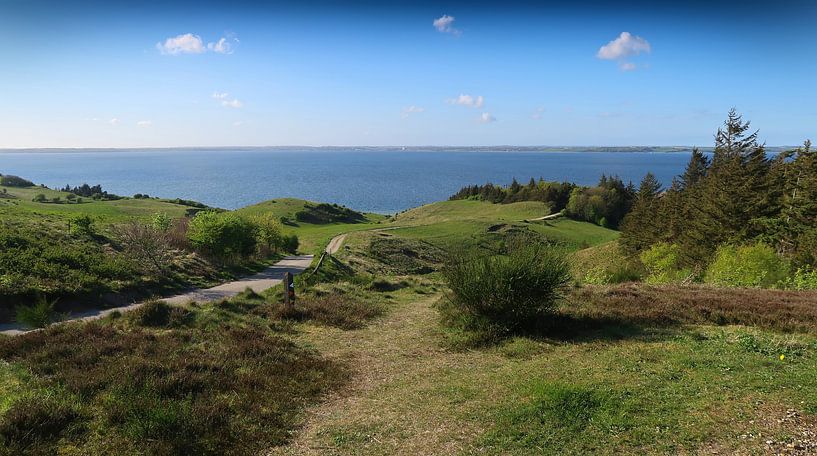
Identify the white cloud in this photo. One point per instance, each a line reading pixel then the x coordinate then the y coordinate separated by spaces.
pixel 193 44
pixel 537 114
pixel 411 110
pixel 626 45
pixel 226 101
pixel 487 118
pixel 468 101
pixel 238 123
pixel 223 45
pixel 182 44
pixel 144 123
pixel 114 121
pixel 445 24
pixel 627 66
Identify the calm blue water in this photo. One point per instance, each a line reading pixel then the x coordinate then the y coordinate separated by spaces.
pixel 376 181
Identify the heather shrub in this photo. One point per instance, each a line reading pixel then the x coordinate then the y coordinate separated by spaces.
pixel 749 266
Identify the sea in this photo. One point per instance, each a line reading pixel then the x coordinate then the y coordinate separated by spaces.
pixel 385 181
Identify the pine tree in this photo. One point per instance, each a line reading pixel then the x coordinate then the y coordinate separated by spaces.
pixel 640 228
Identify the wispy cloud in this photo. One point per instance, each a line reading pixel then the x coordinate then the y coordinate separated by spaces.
pixel 114 121
pixel 537 114
pixel 468 101
pixel 445 24
pixel 144 123
pixel 226 101
pixel 223 45
pixel 627 66
pixel 486 118
pixel 189 43
pixel 411 110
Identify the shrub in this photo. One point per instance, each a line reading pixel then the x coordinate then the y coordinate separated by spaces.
pixel 268 232
pixel 39 315
pixel 222 234
pixel 750 266
pixel 662 264
pixel 147 246
pixel 39 198
pixel 82 225
pixel 333 310
pixel 502 294
pixel 15 181
pixel 153 313
pixel 161 221
pixel 802 279
pixel 290 243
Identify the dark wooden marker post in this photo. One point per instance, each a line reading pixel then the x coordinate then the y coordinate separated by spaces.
pixel 289 290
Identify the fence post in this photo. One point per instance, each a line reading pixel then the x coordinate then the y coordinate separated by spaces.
pixel 289 290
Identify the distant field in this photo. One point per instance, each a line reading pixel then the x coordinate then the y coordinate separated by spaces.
pixel 106 211
pixel 450 223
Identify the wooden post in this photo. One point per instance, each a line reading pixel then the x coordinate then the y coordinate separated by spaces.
pixel 289 290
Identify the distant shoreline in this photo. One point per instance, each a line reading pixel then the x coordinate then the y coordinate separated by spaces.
pixel 531 149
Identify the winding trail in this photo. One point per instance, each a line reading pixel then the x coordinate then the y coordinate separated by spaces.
pixel 257 282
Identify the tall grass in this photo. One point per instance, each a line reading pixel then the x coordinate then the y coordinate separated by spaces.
pixel 501 294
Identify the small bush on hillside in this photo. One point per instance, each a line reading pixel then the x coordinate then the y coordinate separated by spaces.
pixel 39 198
pixel 148 247
pixel 152 314
pixel 505 293
pixel 39 315
pixel 161 222
pixel 222 234
pixel 290 243
pixel 15 181
pixel 750 266
pixel 662 264
pixel 82 225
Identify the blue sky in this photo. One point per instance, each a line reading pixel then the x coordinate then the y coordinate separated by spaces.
pixel 119 74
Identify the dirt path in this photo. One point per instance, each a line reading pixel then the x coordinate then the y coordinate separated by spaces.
pixel 335 243
pixel 257 282
pixel 399 396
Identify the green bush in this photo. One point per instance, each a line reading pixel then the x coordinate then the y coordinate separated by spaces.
pixel 39 198
pixel 268 232
pixel 802 279
pixel 502 294
pixel 750 266
pixel 222 234
pixel 662 264
pixel 82 225
pixel 290 243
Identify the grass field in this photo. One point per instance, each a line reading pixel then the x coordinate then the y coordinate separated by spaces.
pixel 106 212
pixel 468 222
pixel 369 369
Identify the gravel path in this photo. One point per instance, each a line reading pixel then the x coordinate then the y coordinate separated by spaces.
pixel 258 282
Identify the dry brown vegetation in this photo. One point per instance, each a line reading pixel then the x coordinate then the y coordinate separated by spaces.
pixel 671 305
pixel 137 386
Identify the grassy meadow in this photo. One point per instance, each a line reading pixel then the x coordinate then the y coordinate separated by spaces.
pixel 363 363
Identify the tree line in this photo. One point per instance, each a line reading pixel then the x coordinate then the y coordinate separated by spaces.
pixel 738 196
pixel 605 204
